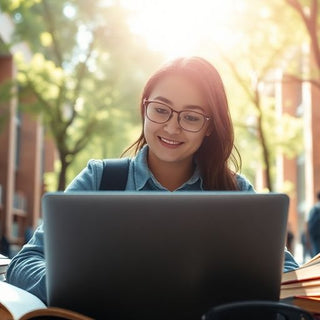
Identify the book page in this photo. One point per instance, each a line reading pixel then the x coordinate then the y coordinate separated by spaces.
pixel 299 291
pixel 55 313
pixel 306 273
pixel 4 261
pixel 314 260
pixel 306 283
pixel 18 301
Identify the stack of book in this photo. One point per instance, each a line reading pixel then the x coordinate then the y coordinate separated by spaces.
pixel 301 287
pixel 4 262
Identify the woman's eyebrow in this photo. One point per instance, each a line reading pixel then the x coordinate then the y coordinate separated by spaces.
pixel 163 99
pixel 189 106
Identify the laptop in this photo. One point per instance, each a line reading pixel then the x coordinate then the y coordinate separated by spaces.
pixel 162 255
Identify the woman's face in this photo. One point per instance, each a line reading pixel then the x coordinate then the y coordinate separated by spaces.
pixel 168 142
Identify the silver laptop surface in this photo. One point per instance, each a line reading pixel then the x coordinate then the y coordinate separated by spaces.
pixel 162 255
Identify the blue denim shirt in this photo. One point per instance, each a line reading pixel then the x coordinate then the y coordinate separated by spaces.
pixel 27 268
pixel 139 177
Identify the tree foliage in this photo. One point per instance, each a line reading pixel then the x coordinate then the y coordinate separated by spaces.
pixel 253 63
pixel 88 70
pixel 309 15
pixel 86 73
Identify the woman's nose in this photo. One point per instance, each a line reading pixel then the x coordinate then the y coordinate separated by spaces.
pixel 172 126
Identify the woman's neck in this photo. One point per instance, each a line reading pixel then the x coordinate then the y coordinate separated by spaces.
pixel 171 175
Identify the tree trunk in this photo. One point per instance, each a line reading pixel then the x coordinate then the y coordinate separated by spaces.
pixel 265 154
pixel 63 173
pixel 263 142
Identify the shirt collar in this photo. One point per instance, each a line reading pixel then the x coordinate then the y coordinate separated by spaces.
pixel 142 173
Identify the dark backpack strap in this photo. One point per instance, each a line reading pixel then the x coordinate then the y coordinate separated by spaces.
pixel 115 174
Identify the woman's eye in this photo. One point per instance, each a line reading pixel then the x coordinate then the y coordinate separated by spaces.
pixel 161 110
pixel 191 117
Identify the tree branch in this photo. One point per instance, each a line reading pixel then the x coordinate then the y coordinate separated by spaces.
pixel 310 24
pixel 236 74
pixel 82 141
pixel 51 28
pixel 38 95
pixel 293 78
pixel 80 77
pixel 298 7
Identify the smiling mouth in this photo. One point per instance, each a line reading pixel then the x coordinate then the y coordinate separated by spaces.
pixel 171 142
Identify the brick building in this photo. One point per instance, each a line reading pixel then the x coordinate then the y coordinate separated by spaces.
pixel 302 100
pixel 25 154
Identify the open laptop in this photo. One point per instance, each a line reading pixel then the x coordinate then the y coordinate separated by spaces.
pixel 162 255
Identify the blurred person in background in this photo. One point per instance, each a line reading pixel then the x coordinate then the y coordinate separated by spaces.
pixel 314 227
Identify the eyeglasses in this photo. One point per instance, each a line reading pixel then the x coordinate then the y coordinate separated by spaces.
pixel 188 120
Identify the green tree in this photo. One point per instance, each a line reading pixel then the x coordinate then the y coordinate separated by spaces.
pixel 6 91
pixel 308 12
pixel 86 72
pixel 307 15
pixel 259 50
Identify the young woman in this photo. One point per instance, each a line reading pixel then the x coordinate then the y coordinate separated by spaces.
pixel 186 143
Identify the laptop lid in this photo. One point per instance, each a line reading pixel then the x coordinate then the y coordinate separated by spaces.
pixel 161 255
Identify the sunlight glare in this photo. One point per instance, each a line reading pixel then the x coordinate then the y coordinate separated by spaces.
pixel 69 11
pixel 181 27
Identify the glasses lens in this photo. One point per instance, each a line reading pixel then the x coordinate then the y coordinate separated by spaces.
pixel 191 121
pixel 158 112
pixel 188 120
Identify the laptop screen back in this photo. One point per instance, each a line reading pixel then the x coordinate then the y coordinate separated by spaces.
pixel 154 255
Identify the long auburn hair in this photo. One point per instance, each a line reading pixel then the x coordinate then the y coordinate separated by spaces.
pixel 217 151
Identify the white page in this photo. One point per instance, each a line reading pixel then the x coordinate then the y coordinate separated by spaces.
pixel 18 301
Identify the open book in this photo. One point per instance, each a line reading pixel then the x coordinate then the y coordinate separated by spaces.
pixel 301 287
pixel 18 304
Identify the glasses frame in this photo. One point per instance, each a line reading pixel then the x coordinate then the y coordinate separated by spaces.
pixel 146 103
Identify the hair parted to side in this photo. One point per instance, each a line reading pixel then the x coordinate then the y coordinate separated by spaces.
pixel 217 151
